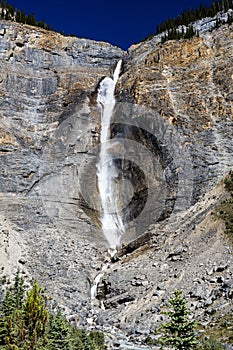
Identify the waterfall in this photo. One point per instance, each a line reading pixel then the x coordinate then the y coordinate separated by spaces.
pixel 95 285
pixel 97 280
pixel 111 220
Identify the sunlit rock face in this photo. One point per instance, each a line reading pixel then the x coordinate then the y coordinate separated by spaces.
pixel 171 140
pixel 189 83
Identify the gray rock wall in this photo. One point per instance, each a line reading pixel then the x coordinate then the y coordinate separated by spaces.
pixel 49 125
pixel 174 111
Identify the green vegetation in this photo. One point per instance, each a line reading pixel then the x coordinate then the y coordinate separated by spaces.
pixel 179 331
pixel 219 331
pixel 174 34
pixel 229 183
pixel 26 323
pixel 8 12
pixel 210 344
pixel 169 27
pixel 191 15
pixel 225 209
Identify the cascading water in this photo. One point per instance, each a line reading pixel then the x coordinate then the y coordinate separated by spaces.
pixel 111 221
pixel 96 282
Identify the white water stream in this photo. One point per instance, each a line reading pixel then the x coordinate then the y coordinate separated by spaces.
pixel 97 279
pixel 111 221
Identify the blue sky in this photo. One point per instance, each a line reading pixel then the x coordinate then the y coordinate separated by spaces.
pixel 121 22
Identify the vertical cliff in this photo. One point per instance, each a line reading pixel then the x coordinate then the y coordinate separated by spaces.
pixel 174 110
pixel 49 124
pixel 189 83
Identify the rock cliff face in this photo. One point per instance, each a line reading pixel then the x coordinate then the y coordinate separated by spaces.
pixel 174 101
pixel 189 83
pixel 47 79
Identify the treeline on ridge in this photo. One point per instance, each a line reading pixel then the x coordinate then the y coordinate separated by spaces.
pixel 189 16
pixel 8 12
pixel 170 26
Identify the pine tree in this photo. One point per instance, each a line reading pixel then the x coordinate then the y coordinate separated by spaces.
pixel 25 317
pixel 35 317
pixel 41 24
pixel 58 332
pixel 230 19
pixel 18 16
pixel 30 19
pixel 76 341
pixel 14 296
pixel 23 17
pixel 85 340
pixel 97 339
pixel 12 301
pixel 3 329
pixel 179 331
pixel 11 11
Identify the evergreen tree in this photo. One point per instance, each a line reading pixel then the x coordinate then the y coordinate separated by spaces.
pixel 179 331
pixel 76 341
pixel 11 11
pixel 3 329
pixel 25 324
pixel 30 19
pixel 230 19
pixel 85 340
pixel 58 332
pixel 41 24
pixel 35 316
pixel 14 296
pixel 23 17
pixel 18 16
pixel 14 331
pixel 97 339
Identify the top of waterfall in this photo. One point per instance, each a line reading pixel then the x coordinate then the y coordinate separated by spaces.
pixel 117 71
pixel 107 87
